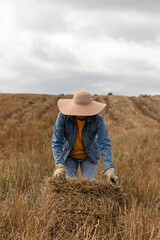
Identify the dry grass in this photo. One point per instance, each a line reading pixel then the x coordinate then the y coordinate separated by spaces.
pixel 33 207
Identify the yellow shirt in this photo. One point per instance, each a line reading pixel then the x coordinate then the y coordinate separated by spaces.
pixel 78 150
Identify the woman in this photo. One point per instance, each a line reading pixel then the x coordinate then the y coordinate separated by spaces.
pixel 79 136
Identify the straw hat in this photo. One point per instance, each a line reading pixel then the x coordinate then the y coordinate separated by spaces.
pixel 81 105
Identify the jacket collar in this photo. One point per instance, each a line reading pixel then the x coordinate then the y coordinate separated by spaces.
pixel 88 118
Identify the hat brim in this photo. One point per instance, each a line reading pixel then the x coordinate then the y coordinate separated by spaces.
pixel 69 107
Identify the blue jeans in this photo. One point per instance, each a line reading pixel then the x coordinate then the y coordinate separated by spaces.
pixel 88 168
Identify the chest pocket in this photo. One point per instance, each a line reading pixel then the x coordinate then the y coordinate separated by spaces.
pixel 68 132
pixel 91 134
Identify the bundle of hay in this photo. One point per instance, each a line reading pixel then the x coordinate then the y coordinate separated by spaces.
pixel 85 188
pixel 78 209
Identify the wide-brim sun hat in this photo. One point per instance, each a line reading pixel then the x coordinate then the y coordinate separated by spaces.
pixel 80 105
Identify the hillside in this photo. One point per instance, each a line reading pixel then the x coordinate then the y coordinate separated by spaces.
pixel 26 126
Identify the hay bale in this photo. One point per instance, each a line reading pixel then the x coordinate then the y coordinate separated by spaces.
pixel 80 206
pixel 78 209
pixel 81 186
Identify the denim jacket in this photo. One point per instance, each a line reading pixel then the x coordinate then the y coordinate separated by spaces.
pixel 94 135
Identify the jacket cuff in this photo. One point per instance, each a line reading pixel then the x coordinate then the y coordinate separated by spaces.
pixel 108 165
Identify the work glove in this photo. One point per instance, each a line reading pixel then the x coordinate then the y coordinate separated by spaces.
pixel 111 176
pixel 59 175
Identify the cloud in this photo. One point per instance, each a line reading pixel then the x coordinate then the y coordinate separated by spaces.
pixel 46 52
pixel 129 25
pixel 102 5
pixel 53 81
pixel 39 16
pixel 60 46
pixel 99 67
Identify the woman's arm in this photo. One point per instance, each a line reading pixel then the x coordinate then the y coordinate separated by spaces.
pixel 58 139
pixel 104 143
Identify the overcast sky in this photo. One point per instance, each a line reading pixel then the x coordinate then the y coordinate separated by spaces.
pixel 60 46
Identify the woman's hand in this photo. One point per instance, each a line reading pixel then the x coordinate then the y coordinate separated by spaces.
pixel 59 175
pixel 111 176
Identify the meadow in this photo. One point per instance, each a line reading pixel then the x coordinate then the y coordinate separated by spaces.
pixel 26 162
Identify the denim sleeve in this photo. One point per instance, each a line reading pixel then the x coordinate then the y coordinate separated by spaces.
pixel 58 139
pixel 104 143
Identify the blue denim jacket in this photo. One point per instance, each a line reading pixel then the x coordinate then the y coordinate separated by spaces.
pixel 94 135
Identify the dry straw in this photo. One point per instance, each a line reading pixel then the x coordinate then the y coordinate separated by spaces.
pixel 81 208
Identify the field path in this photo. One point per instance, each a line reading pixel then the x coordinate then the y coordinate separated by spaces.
pixel 146 107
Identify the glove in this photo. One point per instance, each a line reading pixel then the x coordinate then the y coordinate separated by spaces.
pixel 59 174
pixel 111 177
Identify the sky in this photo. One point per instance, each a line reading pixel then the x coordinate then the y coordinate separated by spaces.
pixel 61 46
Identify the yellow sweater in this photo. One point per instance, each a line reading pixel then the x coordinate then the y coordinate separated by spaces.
pixel 78 150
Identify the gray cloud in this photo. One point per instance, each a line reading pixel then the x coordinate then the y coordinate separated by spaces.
pixel 115 19
pixel 129 25
pixel 57 82
pixel 89 5
pixel 45 52
pixel 135 66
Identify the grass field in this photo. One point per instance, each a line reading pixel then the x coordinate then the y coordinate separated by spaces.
pixel 26 161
